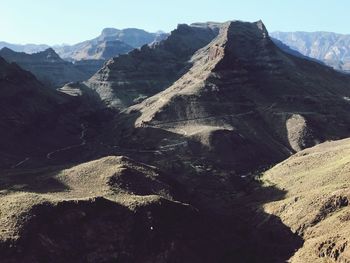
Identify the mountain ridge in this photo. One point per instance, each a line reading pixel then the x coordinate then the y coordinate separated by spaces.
pixel 329 47
pixel 47 66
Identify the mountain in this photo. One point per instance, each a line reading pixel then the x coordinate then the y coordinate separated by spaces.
pixel 27 48
pixel 110 43
pixel 331 48
pixel 33 118
pixel 249 102
pixel 129 78
pixel 164 159
pixel 316 200
pixel 47 66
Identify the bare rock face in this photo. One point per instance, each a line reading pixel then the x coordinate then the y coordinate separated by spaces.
pixel 47 66
pixel 128 79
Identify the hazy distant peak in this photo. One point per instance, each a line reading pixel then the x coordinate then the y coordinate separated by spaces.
pixel 50 54
pixel 109 31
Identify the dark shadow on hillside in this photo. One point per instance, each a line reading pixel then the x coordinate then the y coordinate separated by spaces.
pixel 230 226
pixel 36 180
pixel 232 222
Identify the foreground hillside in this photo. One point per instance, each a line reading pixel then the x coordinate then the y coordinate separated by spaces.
pixel 115 209
pixel 316 204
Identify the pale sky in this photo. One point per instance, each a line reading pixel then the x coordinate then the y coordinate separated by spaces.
pixel 71 21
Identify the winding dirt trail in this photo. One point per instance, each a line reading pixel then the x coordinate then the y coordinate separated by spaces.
pixel 50 156
pixel 20 163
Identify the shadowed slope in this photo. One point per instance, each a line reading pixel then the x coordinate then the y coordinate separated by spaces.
pixel 33 117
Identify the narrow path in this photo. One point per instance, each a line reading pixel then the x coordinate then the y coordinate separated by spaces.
pixel 199 118
pixel 163 148
pixel 49 156
pixel 20 163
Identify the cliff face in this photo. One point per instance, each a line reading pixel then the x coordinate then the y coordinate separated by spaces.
pixel 128 79
pixel 47 66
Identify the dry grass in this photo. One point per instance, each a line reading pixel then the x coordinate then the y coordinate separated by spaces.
pixel 111 177
pixel 316 204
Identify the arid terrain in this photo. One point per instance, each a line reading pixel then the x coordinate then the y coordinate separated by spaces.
pixel 213 143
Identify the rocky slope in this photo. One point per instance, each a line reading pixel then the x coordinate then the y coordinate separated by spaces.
pixel 47 66
pixel 316 203
pixel 128 79
pixel 89 66
pixel 243 92
pixel 32 115
pixel 110 43
pixel 331 48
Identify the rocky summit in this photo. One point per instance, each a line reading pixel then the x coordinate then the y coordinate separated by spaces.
pixel 212 145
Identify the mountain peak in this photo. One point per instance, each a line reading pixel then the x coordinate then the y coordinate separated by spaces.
pixel 50 54
pixel 6 50
pixel 109 31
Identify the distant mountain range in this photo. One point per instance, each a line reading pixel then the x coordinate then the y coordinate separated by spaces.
pixel 27 48
pixel 54 67
pixel 110 43
pixel 331 48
